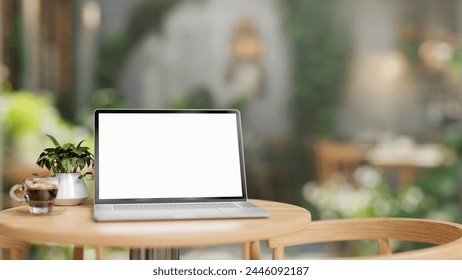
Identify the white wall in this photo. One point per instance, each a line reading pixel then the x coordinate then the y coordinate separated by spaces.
pixel 382 94
pixel 194 51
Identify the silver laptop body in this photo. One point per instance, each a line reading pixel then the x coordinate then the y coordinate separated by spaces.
pixel 170 164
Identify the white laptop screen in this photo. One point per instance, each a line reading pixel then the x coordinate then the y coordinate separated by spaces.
pixel 168 155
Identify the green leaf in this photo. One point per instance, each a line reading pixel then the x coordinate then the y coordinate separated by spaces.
pixel 53 140
pixel 47 165
pixel 81 163
pixel 87 174
pixel 78 146
pixel 67 146
pixel 65 163
pixel 65 158
pixel 78 152
pixel 74 163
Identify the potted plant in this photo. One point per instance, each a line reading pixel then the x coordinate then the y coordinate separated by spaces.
pixel 67 162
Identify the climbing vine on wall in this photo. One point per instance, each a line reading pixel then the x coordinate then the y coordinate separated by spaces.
pixel 320 50
pixel 146 17
pixel 320 53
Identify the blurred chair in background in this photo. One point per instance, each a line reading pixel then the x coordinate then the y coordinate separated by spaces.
pixel 335 158
pixel 447 236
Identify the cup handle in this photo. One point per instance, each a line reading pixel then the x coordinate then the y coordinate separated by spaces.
pixel 13 193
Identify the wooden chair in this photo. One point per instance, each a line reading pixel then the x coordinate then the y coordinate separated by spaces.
pixel 333 158
pixel 16 248
pixel 447 236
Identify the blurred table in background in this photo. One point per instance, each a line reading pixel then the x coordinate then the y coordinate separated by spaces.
pixel 407 160
pixel 401 157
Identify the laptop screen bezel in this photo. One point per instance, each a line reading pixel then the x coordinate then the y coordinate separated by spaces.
pixel 99 112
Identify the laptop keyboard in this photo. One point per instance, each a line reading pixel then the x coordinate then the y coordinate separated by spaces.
pixel 180 206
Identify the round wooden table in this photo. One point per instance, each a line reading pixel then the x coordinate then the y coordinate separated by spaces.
pixel 75 225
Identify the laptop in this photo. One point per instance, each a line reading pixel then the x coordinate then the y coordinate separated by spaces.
pixel 170 164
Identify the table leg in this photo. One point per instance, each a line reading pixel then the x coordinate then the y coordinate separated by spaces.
pixel 78 253
pixel 255 250
pixel 16 254
pixel 100 253
pixel 278 253
pixel 407 176
pixel 17 249
pixel 246 251
pixel 155 254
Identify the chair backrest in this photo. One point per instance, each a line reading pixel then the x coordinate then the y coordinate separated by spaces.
pixel 447 236
pixel 335 158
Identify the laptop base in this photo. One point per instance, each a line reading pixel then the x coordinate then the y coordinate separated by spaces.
pixel 106 212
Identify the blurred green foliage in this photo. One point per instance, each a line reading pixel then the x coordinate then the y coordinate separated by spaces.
pixel 27 112
pixel 15 46
pixel 320 51
pixel 25 118
pixel 435 194
pixel 408 41
pixel 455 66
pixel 50 252
pixel 147 16
pixel 101 98
pixel 23 114
pixel 200 98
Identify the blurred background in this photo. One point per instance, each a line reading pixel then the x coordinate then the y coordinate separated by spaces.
pixel 350 108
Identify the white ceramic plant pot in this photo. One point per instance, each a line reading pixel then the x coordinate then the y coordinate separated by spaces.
pixel 71 190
